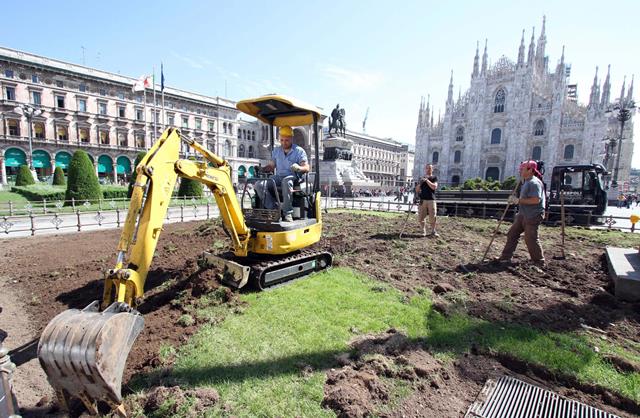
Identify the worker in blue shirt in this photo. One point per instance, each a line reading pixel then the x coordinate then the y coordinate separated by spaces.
pixel 290 162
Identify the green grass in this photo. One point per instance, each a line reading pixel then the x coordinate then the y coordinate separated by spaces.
pixel 18 199
pixel 254 359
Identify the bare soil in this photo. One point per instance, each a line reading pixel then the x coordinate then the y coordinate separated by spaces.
pixel 50 274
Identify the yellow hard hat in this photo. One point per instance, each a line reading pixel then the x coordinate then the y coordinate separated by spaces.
pixel 286 131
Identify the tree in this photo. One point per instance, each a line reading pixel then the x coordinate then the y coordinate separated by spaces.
pixel 24 176
pixel 58 177
pixel 82 183
pixel 132 178
pixel 509 183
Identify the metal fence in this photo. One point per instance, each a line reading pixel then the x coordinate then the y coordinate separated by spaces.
pixel 51 219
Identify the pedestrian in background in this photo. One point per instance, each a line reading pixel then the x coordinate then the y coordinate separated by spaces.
pixel 426 189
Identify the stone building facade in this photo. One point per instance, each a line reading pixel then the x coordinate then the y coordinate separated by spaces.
pixel 520 110
pixel 84 108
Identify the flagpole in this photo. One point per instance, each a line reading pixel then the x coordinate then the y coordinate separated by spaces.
pixel 144 95
pixel 164 120
pixel 155 114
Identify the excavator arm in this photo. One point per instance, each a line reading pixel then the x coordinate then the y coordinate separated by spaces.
pixel 83 352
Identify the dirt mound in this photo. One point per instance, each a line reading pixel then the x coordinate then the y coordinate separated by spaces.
pixel 164 401
pixel 353 393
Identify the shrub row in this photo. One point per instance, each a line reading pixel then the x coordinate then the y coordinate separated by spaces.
pixel 40 192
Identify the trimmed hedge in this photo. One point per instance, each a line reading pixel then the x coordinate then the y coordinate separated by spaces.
pixel 41 192
pixel 83 182
pixel 58 177
pixel 24 176
pixel 114 192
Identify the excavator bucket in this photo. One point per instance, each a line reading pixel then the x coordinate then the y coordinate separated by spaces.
pixel 83 352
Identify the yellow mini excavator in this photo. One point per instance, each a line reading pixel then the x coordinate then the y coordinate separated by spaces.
pixel 83 352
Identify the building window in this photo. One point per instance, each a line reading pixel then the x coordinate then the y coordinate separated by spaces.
pixel 36 98
pixel 121 95
pixel 240 133
pixel 139 114
pixel 501 98
pixel 14 127
pixel 536 154
pixel 59 83
pixel 171 120
pixel 492 174
pixel 241 151
pixel 185 121
pixel 460 133
pixel 60 102
pixel 455 180
pixel 198 123
pixel 104 137
pixel 102 92
pixel 62 134
pixel 250 151
pixel 253 135
pixel 140 140
pixel 139 99
pixel 538 129
pixel 496 136
pixel 122 139
pixel 568 152
pixel 122 111
pixel 34 78
pixel 102 108
pixel 434 157
pixel 210 126
pixel 82 105
pixel 38 130
pixel 82 87
pixel 84 135
pixel 224 125
pixel 457 156
pixel 227 148
pixel 10 93
pixel 8 73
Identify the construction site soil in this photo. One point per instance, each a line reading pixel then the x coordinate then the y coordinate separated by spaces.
pixel 53 273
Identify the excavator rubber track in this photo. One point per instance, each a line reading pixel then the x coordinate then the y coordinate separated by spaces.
pixel 263 272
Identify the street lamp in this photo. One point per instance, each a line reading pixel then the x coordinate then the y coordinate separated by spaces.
pixel 29 112
pixel 623 110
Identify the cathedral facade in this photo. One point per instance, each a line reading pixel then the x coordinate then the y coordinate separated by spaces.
pixel 515 111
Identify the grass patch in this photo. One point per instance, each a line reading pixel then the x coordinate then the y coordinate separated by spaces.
pixel 16 198
pixel 603 237
pixel 255 359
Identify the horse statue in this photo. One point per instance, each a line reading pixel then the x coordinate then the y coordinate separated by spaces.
pixel 337 121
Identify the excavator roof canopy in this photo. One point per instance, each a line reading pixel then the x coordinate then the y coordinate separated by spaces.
pixel 280 110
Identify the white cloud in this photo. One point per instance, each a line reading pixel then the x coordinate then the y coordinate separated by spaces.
pixel 191 62
pixel 352 80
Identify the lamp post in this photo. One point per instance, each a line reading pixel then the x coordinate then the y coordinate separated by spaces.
pixel 622 110
pixel 29 112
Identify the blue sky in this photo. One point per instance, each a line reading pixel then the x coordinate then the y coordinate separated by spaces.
pixel 380 55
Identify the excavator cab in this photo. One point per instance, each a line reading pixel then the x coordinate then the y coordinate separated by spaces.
pixel 84 352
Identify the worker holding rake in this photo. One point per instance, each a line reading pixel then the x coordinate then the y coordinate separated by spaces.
pixel 531 204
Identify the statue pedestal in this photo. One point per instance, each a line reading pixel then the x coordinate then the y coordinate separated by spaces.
pixel 338 169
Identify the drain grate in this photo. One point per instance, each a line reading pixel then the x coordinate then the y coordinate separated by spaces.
pixel 512 398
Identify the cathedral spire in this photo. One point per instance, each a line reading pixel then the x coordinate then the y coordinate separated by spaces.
pixel 476 60
pixel 560 68
pixel 421 111
pixel 630 93
pixel 432 120
pixel 485 58
pixel 532 46
pixel 622 91
pixel 594 98
pixel 542 42
pixel 521 51
pixel 606 89
pixel 450 94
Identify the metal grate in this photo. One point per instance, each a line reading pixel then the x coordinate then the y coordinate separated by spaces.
pixel 513 398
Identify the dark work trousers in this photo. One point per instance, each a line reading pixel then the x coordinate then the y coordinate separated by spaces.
pixel 530 228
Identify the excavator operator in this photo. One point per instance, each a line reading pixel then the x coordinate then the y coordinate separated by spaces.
pixel 290 162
